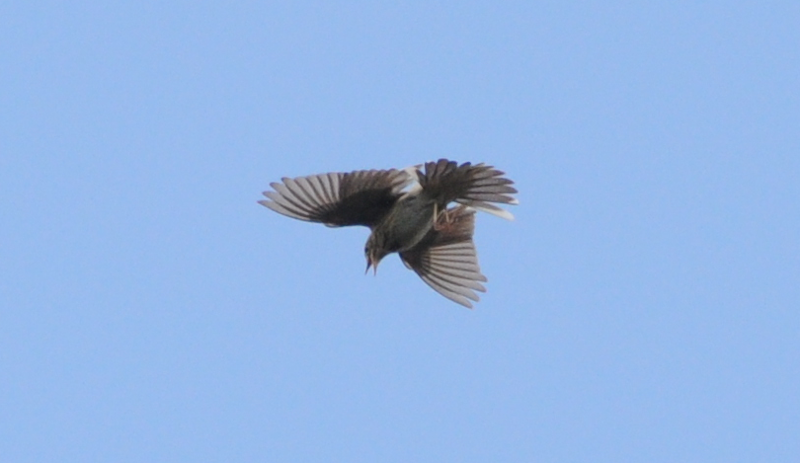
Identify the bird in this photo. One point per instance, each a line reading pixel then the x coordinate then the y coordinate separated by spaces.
pixel 425 213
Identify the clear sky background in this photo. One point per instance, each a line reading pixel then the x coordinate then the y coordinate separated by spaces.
pixel 644 306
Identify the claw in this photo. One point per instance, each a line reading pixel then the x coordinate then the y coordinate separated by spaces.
pixel 441 219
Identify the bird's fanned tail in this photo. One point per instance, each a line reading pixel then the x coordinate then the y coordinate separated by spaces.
pixel 478 186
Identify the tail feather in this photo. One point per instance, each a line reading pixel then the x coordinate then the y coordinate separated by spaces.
pixel 489 208
pixel 476 185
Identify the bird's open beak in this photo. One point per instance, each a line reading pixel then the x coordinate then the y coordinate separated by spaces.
pixel 370 264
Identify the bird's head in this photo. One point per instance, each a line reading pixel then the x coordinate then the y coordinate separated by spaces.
pixel 374 251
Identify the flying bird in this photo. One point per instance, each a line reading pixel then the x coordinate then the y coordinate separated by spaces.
pixel 426 215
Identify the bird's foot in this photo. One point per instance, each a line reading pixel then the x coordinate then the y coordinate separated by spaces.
pixel 445 219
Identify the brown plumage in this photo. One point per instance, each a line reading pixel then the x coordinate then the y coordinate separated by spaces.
pixel 432 238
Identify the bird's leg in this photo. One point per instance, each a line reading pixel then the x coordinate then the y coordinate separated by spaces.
pixel 437 215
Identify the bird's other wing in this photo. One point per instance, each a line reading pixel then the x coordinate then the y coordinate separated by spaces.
pixel 446 258
pixel 338 199
pixel 479 186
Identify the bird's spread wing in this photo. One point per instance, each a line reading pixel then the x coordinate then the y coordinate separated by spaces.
pixel 446 258
pixel 337 199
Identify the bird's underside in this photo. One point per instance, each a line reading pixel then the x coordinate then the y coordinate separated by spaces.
pixel 440 249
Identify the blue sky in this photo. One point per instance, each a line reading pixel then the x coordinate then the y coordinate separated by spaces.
pixel 644 306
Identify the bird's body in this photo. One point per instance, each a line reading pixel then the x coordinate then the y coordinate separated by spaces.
pixel 433 240
pixel 406 224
